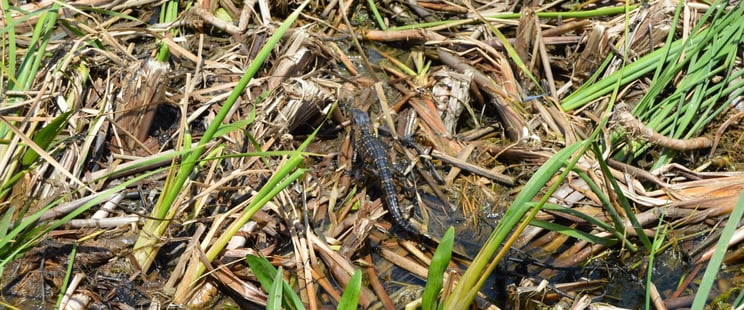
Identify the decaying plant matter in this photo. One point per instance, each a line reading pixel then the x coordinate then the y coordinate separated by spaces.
pixel 185 152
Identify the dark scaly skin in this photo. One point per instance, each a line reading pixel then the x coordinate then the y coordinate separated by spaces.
pixel 372 153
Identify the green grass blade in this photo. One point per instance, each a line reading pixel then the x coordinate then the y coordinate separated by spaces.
pixel 24 76
pixel 514 56
pixel 4 227
pixel 591 219
pixel 543 15
pixel 68 274
pixel 655 248
pixel 439 263
pixel 236 125
pixel 10 67
pixel 687 69
pixel 606 203
pixel 45 136
pixel 265 273
pixel 350 299
pixel 714 265
pixel 634 70
pixel 484 263
pixel 619 228
pixel 376 13
pixel 6 220
pixel 472 280
pixel 624 203
pixel 145 247
pixel 262 269
pixel 573 232
pixel 10 241
pixel 168 14
pixel 278 182
pixel 274 301
pixel 281 179
pixel 41 36
pixel 29 231
pixel 669 40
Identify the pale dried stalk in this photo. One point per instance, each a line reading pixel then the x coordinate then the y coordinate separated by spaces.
pixel 735 239
pixel 143 89
pixel 74 302
pixel 650 30
pixel 184 259
pixel 43 154
pixel 502 88
pixel 246 289
pixel 404 262
pixel 500 178
pixel 527 37
pixel 451 93
pixel 294 59
pixel 214 21
pixel 304 259
pixel 412 35
pixel 203 295
pixel 110 222
pixel 340 267
pixel 656 298
pixel 108 207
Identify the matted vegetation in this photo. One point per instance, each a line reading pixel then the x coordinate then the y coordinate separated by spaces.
pixel 200 154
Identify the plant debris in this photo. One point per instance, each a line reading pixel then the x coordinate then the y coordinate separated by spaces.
pixel 189 154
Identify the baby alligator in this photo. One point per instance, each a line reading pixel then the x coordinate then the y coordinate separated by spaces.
pixel 372 154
